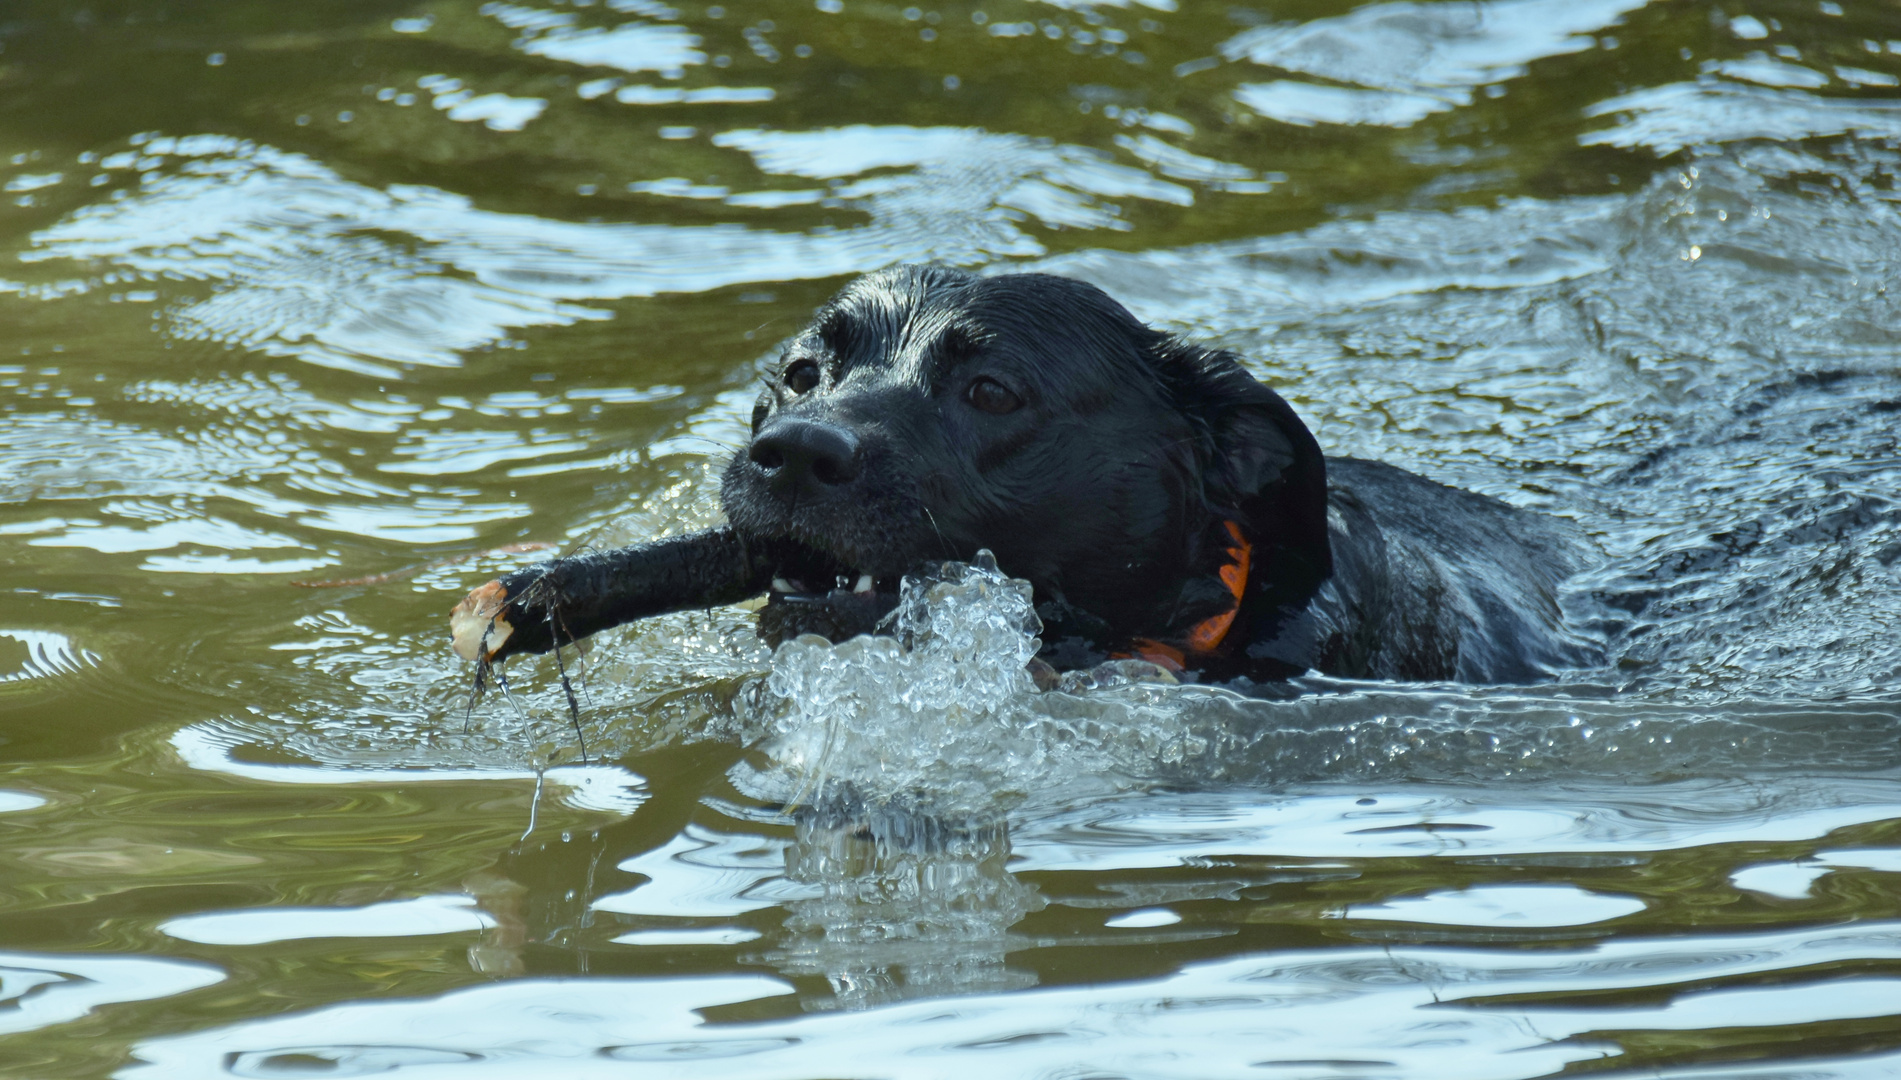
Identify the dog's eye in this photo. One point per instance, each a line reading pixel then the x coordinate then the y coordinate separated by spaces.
pixel 992 396
pixel 801 377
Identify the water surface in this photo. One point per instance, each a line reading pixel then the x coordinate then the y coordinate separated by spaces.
pixel 314 316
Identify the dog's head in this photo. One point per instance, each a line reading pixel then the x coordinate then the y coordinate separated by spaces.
pixel 927 413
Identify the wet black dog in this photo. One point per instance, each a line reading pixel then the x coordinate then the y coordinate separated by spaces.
pixel 1163 502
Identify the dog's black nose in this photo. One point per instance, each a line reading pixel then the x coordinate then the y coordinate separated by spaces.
pixel 805 457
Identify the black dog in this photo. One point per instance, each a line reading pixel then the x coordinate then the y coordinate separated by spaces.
pixel 1164 504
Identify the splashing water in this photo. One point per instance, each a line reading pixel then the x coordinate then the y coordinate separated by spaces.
pixel 965 635
pixel 897 714
pixel 945 718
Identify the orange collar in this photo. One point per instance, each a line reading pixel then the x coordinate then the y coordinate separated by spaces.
pixel 1207 635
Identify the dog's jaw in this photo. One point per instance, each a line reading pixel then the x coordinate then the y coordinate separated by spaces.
pixel 814 592
pixel 836 566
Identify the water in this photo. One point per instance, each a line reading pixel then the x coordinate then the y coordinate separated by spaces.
pixel 313 317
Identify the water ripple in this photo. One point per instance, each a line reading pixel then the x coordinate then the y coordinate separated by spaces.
pixel 1415 59
pixel 299 265
pixel 1407 1011
pixel 46 655
pixel 44 989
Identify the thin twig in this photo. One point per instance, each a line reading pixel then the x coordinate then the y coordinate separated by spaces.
pixel 559 627
pixel 480 686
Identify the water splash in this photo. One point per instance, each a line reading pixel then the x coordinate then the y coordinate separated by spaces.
pixel 945 719
pixel 910 712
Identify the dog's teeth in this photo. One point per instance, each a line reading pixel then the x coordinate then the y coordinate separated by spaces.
pixel 865 584
pixel 780 584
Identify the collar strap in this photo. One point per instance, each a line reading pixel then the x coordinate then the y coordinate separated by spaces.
pixel 1207 635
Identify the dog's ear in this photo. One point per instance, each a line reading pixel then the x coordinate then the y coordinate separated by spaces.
pixel 1260 464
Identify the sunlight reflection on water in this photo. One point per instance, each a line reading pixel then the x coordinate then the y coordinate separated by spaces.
pixel 1412 1010
pixel 262 926
pixel 442 282
pixel 42 989
pixel 1416 59
pixel 290 247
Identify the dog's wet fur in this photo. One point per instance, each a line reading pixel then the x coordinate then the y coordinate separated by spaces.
pixel 927 413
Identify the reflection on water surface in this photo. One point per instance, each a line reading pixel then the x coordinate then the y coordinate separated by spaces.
pixel 314 316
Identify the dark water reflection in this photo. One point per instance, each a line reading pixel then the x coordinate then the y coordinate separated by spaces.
pixel 368 292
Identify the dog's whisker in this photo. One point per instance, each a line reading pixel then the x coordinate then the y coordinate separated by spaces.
pixel 718 443
pixel 949 552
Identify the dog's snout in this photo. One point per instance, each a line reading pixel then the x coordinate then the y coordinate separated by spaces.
pixel 806 456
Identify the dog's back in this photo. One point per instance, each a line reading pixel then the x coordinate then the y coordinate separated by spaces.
pixel 1432 582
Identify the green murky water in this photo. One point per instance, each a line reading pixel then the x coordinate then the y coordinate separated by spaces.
pixel 308 311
